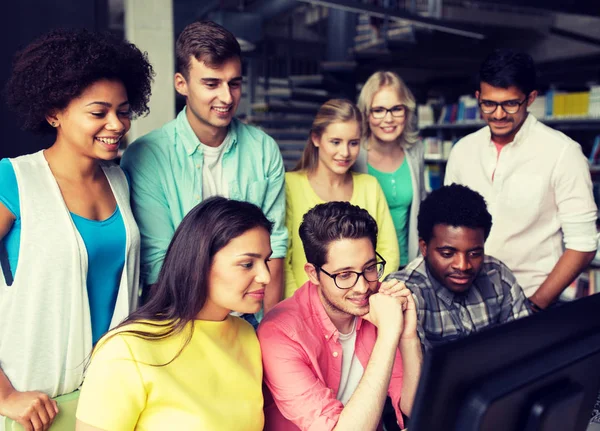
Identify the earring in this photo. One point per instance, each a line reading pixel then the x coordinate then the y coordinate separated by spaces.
pixel 53 124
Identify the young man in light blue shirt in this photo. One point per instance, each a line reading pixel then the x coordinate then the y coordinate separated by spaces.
pixel 204 152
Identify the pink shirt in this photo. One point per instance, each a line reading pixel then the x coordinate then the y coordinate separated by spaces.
pixel 302 361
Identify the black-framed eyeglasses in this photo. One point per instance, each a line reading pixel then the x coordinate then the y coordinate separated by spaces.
pixel 508 106
pixel 347 279
pixel 380 112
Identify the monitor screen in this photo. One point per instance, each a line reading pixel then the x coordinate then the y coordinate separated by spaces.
pixel 538 373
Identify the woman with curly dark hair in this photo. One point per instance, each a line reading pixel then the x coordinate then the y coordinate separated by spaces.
pixel 65 222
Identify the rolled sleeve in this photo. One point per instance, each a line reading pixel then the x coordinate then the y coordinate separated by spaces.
pixel 299 394
pixel 577 210
pixel 150 208
pixel 274 203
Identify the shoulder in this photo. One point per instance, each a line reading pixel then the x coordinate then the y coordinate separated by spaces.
pixel 252 135
pixel 7 173
pixel 295 177
pixel 493 266
pixel 414 275
pixel 551 138
pixel 152 145
pixel 283 321
pixel 475 139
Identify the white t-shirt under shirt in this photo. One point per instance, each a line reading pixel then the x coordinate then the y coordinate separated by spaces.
pixel 213 183
pixel 352 369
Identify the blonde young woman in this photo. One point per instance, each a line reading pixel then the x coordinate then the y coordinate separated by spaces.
pixel 393 154
pixel 323 175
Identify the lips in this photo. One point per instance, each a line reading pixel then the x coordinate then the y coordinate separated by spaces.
pixel 459 279
pixel 257 294
pixel 360 301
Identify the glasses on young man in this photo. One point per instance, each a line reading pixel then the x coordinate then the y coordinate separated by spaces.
pixel 347 279
pixel 380 112
pixel 508 106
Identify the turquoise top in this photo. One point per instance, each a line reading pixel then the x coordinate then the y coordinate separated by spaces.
pixel 104 241
pixel 165 173
pixel 398 191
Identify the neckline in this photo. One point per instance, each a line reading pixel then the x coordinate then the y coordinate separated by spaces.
pixel 318 198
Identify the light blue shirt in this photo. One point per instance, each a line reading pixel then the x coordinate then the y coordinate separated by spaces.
pixel 165 170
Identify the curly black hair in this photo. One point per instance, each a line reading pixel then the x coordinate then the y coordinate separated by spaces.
pixel 57 67
pixel 453 205
pixel 505 68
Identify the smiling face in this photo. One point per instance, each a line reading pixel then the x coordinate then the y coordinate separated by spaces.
pixel 389 128
pixel 239 274
pixel 212 95
pixel 338 146
pixel 454 255
pixel 93 123
pixel 504 126
pixel 345 255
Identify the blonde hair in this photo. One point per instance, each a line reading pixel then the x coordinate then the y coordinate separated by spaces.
pixel 375 83
pixel 332 111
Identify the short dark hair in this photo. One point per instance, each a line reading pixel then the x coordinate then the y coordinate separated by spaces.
pixel 333 221
pixel 206 41
pixel 453 205
pixel 57 67
pixel 505 68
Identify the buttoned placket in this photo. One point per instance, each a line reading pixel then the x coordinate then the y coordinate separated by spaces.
pixel 198 164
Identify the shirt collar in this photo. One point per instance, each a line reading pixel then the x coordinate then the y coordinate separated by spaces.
pixel 326 325
pixel 521 135
pixel 191 141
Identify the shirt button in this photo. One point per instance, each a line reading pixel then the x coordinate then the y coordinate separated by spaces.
pixel 335 354
pixel 327 337
pixel 198 166
pixel 197 197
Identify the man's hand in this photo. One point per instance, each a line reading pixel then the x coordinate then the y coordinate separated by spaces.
pixel 398 289
pixel 34 411
pixel 385 312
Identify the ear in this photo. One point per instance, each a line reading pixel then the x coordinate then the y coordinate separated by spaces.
pixel 423 247
pixel 316 140
pixel 181 84
pixel 52 118
pixel 477 93
pixel 531 97
pixel 312 273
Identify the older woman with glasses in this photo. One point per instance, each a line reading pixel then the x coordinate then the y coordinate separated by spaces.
pixel 393 154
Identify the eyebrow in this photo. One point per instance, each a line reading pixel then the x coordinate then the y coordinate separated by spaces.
pixel 108 105
pixel 447 247
pixel 508 100
pixel 213 80
pixel 349 268
pixel 255 255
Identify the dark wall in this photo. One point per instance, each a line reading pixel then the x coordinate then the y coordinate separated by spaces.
pixel 24 20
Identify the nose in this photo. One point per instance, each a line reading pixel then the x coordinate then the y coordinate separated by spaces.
pixel 117 124
pixel 345 149
pixel 461 262
pixel 388 118
pixel 225 95
pixel 362 285
pixel 499 113
pixel 263 274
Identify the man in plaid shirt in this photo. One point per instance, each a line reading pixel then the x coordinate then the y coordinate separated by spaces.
pixel 457 289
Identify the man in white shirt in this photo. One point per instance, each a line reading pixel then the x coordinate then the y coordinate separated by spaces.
pixel 536 182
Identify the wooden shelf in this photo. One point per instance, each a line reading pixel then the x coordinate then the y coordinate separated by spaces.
pixel 574 123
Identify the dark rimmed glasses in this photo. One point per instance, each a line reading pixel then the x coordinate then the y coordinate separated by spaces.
pixel 508 106
pixel 348 279
pixel 380 112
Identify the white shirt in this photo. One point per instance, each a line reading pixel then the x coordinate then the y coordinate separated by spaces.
pixel 352 369
pixel 213 183
pixel 539 193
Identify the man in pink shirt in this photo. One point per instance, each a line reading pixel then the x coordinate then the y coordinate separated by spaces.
pixel 334 350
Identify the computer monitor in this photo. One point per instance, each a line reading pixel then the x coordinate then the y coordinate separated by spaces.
pixel 538 373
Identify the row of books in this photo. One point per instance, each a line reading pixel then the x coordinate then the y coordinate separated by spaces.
pixel 437 149
pixel 552 104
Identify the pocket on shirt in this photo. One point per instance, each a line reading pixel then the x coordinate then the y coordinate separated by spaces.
pixel 523 191
pixel 257 191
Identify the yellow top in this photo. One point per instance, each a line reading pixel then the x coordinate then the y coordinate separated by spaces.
pixel 214 385
pixel 300 197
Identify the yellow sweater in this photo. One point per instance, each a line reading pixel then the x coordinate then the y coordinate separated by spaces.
pixel 214 385
pixel 300 197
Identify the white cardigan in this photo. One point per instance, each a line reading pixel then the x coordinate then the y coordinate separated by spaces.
pixel 45 326
pixel 416 164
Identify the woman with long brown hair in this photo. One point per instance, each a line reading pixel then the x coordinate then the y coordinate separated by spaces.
pixel 323 175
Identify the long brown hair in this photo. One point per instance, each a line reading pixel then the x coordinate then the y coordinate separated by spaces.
pixel 182 286
pixel 332 111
